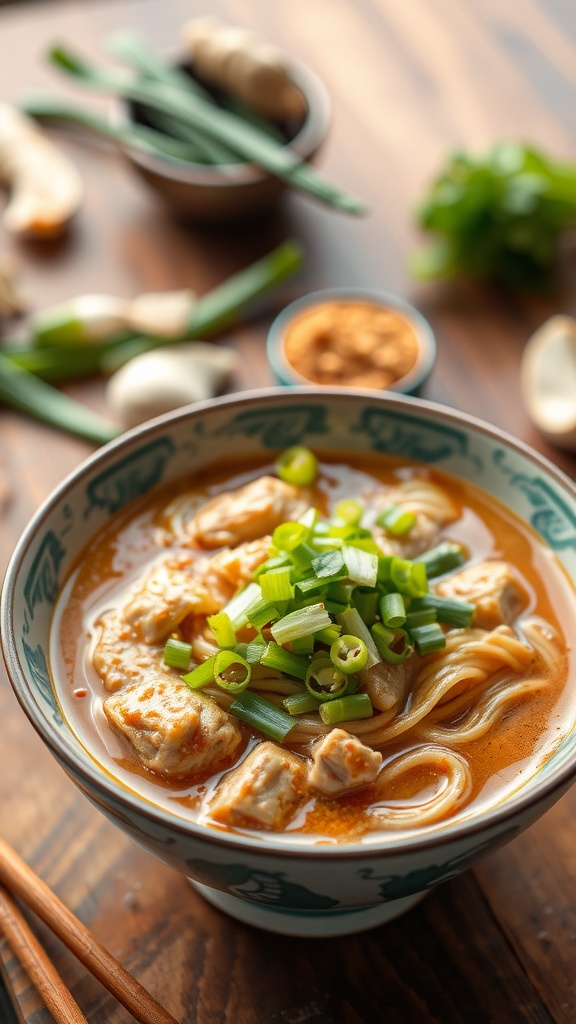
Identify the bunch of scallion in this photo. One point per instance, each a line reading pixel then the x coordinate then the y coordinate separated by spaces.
pixel 26 370
pixel 183 120
pixel 324 606
pixel 498 217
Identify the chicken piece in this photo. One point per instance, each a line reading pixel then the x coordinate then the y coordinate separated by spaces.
pixel 174 731
pixel 119 657
pixel 492 587
pixel 433 509
pixel 262 792
pixel 386 684
pixel 247 513
pixel 342 763
pixel 179 587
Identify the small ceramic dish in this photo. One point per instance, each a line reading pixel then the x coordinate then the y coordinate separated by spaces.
pixel 352 337
pixel 275 882
pixel 205 193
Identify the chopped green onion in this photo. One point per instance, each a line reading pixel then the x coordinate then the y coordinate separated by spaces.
pixel 362 566
pixel 302 556
pixel 392 610
pixel 262 715
pixel 261 613
pixel 254 651
pixel 328 635
pixel 303 644
pixel 288 536
pixel 349 654
pixel 177 654
pixel 396 520
pixel 231 672
pixel 310 518
pixel 353 624
pixel 365 599
pixel 448 610
pixel 300 703
pixel 274 562
pixel 301 622
pixel 393 644
pixel 428 639
pixel 341 592
pixel 290 664
pixel 408 578
pixel 348 511
pixel 419 617
pixel 276 585
pixel 297 465
pixel 346 709
pixel 442 558
pixel 239 605
pixel 329 563
pixel 222 629
pixel 202 675
pixel 324 543
pixel 323 680
pixel 306 586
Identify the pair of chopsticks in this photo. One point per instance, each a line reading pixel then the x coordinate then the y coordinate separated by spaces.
pixel 16 878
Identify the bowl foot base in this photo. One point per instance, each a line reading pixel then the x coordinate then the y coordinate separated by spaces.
pixel 304 923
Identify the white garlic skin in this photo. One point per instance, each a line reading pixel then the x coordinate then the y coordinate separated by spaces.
pixel 167 378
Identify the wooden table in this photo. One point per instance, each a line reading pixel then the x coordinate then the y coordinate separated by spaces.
pixel 409 81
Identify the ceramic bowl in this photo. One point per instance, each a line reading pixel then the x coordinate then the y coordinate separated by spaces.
pixel 411 383
pixel 315 890
pixel 208 194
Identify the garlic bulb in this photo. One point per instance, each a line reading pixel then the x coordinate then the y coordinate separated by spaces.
pixel 168 378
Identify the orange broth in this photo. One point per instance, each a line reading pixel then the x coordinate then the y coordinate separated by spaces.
pixel 500 761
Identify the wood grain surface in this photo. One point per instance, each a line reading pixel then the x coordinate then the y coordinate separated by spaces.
pixel 409 82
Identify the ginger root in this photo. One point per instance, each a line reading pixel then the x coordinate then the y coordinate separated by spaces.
pixel 45 187
pixel 243 64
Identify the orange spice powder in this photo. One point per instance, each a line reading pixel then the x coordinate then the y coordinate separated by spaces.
pixel 350 342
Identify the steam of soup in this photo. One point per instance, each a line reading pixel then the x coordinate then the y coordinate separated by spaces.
pixel 326 651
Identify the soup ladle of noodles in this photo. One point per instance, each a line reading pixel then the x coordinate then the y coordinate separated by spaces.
pixel 318 649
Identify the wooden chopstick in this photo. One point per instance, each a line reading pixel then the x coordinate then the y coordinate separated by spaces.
pixel 16 876
pixel 37 964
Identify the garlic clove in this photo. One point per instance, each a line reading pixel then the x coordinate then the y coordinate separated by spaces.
pixel 161 314
pixel 548 380
pixel 168 378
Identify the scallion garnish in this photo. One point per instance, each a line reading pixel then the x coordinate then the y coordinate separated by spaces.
pixel 177 654
pixel 442 558
pixel 261 613
pixel 362 566
pixel 288 536
pixel 297 465
pixel 353 624
pixel 392 610
pixel 262 715
pixel 276 585
pixel 346 709
pixel 329 563
pixel 231 672
pixel 279 658
pixel 428 639
pixel 202 675
pixel 396 520
pixel 222 629
pixel 300 703
pixel 254 651
pixel 348 511
pixel 301 622
pixel 420 617
pixel 447 609
pixel 239 605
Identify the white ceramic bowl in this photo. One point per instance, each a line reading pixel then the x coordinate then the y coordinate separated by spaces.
pixel 277 885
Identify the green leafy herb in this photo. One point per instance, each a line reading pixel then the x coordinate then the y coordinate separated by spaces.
pixel 498 216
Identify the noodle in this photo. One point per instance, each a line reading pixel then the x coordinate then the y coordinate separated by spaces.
pixel 451 791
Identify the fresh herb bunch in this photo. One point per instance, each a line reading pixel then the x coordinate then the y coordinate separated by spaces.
pixel 497 217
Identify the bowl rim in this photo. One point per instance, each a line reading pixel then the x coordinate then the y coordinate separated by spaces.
pixel 427 346
pixel 100 786
pixel 307 140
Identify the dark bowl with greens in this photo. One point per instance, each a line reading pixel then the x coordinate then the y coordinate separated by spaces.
pixel 205 178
